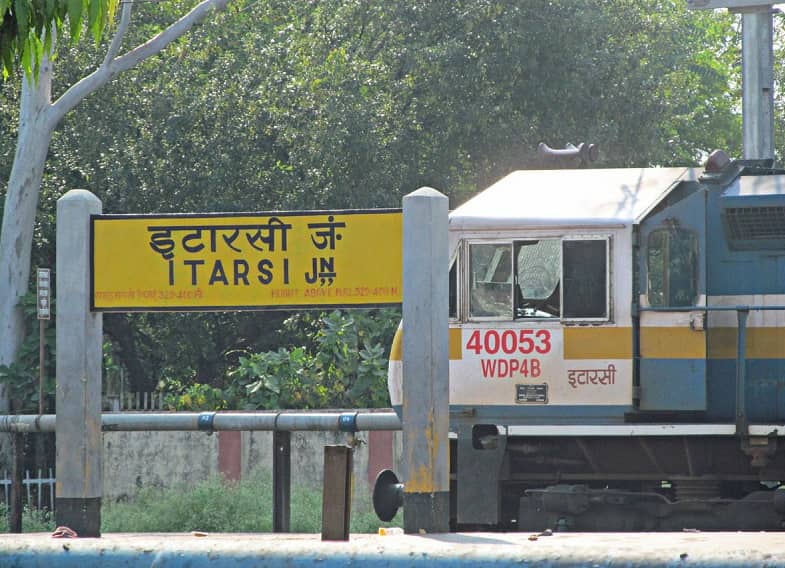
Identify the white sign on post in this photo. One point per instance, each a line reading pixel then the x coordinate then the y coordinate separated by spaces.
pixel 43 288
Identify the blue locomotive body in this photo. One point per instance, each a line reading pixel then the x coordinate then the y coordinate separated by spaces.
pixel 617 350
pixel 729 229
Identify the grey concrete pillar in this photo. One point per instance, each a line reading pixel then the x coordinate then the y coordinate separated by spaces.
pixel 426 445
pixel 79 360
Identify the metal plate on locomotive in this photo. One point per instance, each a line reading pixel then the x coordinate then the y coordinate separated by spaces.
pixel 531 394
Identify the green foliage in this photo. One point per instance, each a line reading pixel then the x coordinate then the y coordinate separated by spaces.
pixel 779 77
pixel 344 367
pixel 212 505
pixel 286 105
pixel 339 361
pixel 216 506
pixel 208 506
pixel 33 520
pixel 111 367
pixel 196 397
pixel 22 376
pixel 280 379
pixel 28 27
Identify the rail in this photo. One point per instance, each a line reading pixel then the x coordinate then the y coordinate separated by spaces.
pixel 354 421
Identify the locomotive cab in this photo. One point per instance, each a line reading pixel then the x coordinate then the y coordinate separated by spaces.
pixel 595 352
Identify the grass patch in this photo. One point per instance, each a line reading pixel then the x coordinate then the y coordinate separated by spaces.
pixel 215 506
pixel 33 520
pixel 211 506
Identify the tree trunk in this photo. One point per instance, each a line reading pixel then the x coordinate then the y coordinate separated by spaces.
pixel 21 202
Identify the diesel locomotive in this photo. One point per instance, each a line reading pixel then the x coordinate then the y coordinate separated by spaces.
pixel 617 350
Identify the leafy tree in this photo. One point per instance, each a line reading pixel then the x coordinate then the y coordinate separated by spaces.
pixel 779 77
pixel 28 29
pixel 21 378
pixel 304 105
pixel 38 117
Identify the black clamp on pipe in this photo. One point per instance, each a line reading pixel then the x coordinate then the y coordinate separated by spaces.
pixel 205 422
pixel 347 422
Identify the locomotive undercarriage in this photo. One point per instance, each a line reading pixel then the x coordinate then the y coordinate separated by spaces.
pixel 616 483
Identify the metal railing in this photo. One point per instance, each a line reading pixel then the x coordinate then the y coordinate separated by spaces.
pixel 139 401
pixel 272 421
pixel 40 491
pixel 281 423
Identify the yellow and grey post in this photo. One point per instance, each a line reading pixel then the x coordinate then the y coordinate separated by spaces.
pixel 79 333
pixel 426 497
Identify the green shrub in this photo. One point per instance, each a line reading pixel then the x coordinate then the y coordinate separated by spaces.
pixel 343 365
pixel 334 360
pixel 217 506
pixel 33 520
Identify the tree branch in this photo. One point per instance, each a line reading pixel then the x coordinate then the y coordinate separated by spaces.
pixel 117 40
pixel 106 72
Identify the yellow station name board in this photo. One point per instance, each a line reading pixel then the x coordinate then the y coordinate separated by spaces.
pixel 246 261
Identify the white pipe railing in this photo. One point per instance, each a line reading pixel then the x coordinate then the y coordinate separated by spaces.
pixel 345 421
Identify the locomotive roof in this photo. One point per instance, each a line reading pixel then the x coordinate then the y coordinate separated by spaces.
pixel 551 198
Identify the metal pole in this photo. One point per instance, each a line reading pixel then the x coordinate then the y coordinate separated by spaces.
pixel 217 421
pixel 17 464
pixel 41 363
pixel 282 480
pixel 758 82
pixel 40 440
pixel 425 408
pixel 741 373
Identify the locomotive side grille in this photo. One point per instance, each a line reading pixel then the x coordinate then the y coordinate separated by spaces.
pixel 755 223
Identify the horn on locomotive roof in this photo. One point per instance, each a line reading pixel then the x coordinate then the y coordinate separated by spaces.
pixel 717 161
pixel 569 157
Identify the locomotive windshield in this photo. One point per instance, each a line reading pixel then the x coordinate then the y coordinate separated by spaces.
pixel 524 279
pixel 538 273
pixel 491 280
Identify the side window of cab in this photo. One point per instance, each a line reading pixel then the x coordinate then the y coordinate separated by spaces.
pixel 672 268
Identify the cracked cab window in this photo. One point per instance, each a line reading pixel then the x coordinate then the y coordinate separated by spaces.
pixel 538 273
pixel 490 275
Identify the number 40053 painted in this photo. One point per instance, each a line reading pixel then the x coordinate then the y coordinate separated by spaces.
pixel 523 341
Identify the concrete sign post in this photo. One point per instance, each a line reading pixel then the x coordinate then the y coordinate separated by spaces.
pixel 79 359
pixel 425 409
